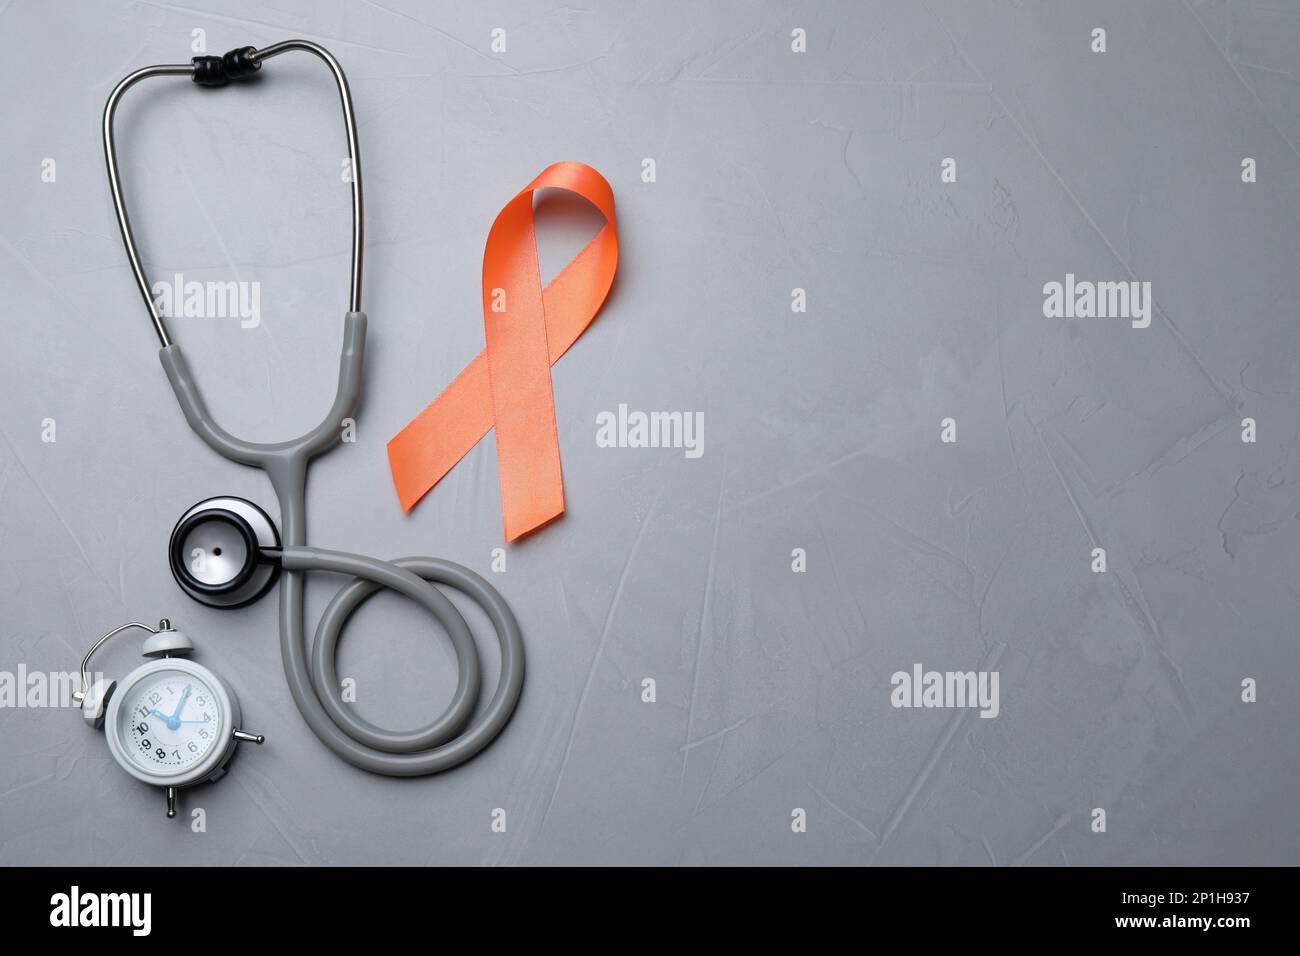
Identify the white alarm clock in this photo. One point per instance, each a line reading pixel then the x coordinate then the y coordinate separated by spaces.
pixel 171 722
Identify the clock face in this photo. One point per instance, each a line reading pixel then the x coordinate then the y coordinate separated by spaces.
pixel 169 721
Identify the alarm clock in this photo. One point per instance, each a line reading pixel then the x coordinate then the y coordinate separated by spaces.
pixel 171 722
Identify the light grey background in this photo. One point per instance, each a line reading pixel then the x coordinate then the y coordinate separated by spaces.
pixel 775 171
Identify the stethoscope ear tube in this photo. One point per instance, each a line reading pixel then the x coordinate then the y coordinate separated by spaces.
pixel 215 71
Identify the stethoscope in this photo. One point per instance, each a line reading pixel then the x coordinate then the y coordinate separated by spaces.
pixel 226 552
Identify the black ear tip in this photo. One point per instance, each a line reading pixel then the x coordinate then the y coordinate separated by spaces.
pixel 238 64
pixel 209 71
pixel 241 62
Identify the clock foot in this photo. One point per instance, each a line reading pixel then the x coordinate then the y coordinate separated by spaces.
pixel 171 802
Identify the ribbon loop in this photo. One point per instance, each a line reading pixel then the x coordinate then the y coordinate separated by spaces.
pixel 508 385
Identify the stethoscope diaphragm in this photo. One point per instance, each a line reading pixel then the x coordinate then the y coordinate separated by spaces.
pixel 216 552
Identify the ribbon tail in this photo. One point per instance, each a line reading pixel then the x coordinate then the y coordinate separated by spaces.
pixel 519 366
pixel 435 440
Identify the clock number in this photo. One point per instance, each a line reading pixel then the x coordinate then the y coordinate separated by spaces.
pixel 176 754
pixel 203 733
pixel 144 744
pixel 193 749
pixel 155 697
pixel 201 701
pixel 206 715
pixel 143 728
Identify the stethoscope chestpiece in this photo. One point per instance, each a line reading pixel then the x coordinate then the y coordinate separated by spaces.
pixel 216 552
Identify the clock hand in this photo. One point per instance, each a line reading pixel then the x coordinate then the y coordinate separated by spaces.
pixel 180 704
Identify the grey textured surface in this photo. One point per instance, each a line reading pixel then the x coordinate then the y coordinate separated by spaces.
pixel 776 170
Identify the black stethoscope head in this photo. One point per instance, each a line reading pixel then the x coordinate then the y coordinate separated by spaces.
pixel 218 552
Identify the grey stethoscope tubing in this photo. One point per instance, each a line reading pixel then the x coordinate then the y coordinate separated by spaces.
pixel 456 735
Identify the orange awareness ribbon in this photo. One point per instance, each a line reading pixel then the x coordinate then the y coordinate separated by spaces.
pixel 508 384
